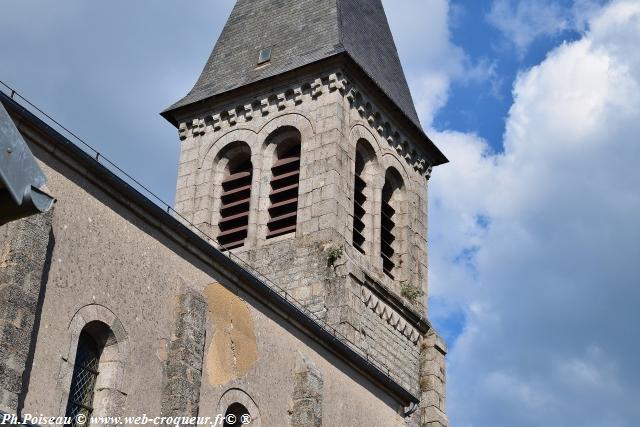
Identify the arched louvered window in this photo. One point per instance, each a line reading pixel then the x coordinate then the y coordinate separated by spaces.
pixel 83 382
pixel 359 199
pixel 389 221
pixel 235 202
pixel 285 177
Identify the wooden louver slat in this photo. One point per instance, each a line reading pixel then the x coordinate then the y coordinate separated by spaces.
pixel 359 199
pixel 235 203
pixel 285 177
pixel 387 239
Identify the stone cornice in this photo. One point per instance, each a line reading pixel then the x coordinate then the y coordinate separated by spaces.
pixel 235 114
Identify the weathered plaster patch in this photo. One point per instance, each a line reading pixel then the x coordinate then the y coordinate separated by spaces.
pixel 5 256
pixel 163 349
pixel 233 349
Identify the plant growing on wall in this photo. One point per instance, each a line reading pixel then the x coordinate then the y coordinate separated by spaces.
pixel 333 255
pixel 410 291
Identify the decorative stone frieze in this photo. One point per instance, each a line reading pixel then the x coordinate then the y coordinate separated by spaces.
pixel 267 104
pixel 358 100
pixel 294 96
pixel 390 316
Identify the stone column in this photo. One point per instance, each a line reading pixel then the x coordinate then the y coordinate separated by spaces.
pixel 433 381
pixel 25 247
pixel 307 395
pixel 183 370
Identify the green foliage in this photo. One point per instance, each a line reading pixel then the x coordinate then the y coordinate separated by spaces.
pixel 333 255
pixel 410 292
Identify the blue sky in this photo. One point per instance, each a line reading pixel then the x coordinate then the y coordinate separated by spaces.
pixel 534 230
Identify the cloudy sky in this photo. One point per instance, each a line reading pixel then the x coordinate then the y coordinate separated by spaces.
pixel 534 230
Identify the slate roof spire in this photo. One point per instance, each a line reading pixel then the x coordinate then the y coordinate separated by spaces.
pixel 301 32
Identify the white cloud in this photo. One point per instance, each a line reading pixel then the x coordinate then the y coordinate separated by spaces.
pixel 524 21
pixel 430 60
pixel 550 286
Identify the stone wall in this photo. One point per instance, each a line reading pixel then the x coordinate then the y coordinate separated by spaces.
pixel 433 382
pixel 333 113
pixel 114 264
pixel 183 367
pixel 306 408
pixel 24 259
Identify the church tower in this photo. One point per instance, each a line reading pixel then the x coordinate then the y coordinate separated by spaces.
pixel 302 153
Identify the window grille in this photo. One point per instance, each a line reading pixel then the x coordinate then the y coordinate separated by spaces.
pixel 83 381
pixel 359 199
pixel 236 197
pixel 387 234
pixel 284 191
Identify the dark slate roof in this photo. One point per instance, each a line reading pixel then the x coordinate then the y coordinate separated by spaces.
pixel 20 175
pixel 302 32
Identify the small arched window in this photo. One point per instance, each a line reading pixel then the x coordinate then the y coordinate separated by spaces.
pixel 389 233
pixel 285 178
pixel 239 415
pixel 235 201
pixel 83 382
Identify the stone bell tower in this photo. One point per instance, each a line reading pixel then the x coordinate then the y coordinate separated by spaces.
pixel 302 152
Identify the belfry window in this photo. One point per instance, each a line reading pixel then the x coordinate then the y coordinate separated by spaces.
pixel 390 230
pixel 359 199
pixel 366 169
pixel 83 382
pixel 235 202
pixel 285 177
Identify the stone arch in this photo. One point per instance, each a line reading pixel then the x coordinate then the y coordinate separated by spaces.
pixel 108 332
pixel 278 130
pixel 295 120
pixel 238 396
pixel 283 151
pixel 202 197
pixel 225 159
pixel 392 160
pixel 394 223
pixel 414 205
pixel 217 145
pixel 366 180
pixel 360 131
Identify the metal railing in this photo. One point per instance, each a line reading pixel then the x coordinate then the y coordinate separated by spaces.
pixel 157 200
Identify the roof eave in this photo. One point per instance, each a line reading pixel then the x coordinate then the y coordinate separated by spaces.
pixel 436 156
pixel 20 174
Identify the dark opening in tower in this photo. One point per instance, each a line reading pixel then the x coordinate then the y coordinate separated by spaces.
pixel 390 230
pixel 359 198
pixel 236 197
pixel 285 178
pixel 388 236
